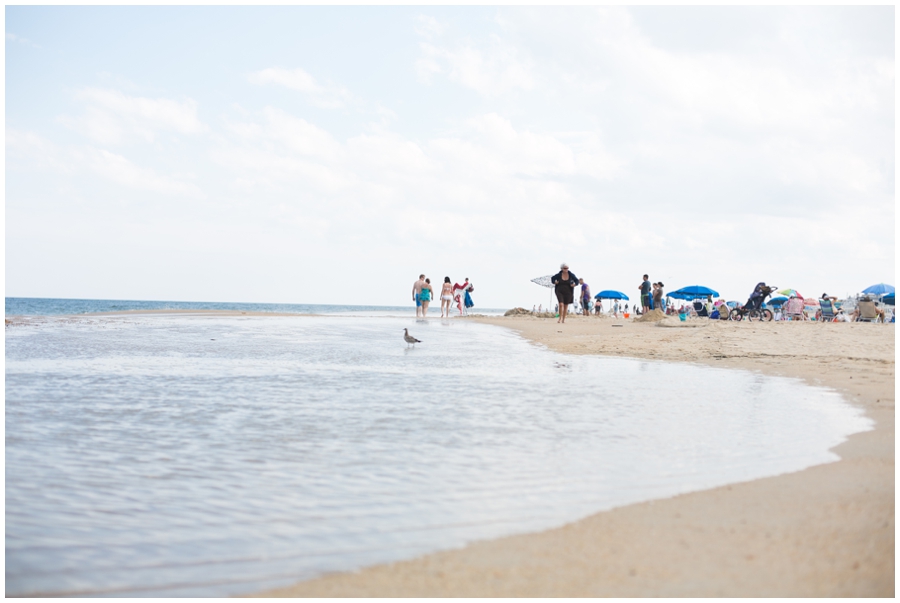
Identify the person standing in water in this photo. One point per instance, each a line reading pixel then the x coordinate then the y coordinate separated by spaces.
pixel 425 294
pixel 446 297
pixel 417 288
pixel 565 282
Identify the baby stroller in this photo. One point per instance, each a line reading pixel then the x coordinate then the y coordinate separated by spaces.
pixel 753 308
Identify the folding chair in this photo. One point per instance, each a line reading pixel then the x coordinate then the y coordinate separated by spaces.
pixel 828 312
pixel 867 311
pixel 793 309
pixel 700 309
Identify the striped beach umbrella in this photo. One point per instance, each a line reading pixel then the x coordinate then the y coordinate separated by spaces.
pixel 790 293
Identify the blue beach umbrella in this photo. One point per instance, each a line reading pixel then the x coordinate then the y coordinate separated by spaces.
pixel 888 299
pixel 693 292
pixel 777 301
pixel 879 289
pixel 610 294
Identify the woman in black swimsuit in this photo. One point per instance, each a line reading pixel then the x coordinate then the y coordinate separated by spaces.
pixel 565 283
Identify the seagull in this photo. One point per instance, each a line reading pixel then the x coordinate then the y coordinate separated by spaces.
pixel 409 339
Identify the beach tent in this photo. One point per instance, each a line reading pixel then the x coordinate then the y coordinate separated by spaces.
pixel 888 299
pixel 879 289
pixel 610 294
pixel 693 292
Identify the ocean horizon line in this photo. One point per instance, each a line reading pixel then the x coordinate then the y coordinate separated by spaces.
pixel 52 306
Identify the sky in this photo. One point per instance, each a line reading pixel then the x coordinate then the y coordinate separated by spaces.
pixel 332 154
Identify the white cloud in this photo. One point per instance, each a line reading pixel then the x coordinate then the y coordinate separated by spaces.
pixel 428 27
pixel 299 135
pixel 295 79
pixel 490 144
pixel 14 38
pixel 112 117
pixel 120 170
pixel 28 148
pixel 326 96
pixel 491 71
pixel 277 171
pixel 27 151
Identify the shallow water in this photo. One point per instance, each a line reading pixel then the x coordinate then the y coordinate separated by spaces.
pixel 212 456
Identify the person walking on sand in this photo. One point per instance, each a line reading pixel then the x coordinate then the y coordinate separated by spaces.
pixel 425 295
pixel 645 294
pixel 585 297
pixel 446 297
pixel 416 290
pixel 565 282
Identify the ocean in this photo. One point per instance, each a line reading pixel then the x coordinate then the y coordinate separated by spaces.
pixel 39 306
pixel 173 455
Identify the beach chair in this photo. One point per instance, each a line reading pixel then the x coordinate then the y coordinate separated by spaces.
pixel 793 309
pixel 700 309
pixel 828 312
pixel 867 311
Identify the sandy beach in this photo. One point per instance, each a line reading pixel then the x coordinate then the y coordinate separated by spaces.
pixel 825 531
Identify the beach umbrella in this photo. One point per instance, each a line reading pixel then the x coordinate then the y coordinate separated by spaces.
pixel 544 281
pixel 879 289
pixel 693 292
pixel 888 299
pixel 610 294
pixel 810 301
pixel 790 293
pixel 777 301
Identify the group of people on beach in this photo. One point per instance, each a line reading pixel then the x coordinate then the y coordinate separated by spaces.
pixel 651 295
pixel 565 281
pixel 423 293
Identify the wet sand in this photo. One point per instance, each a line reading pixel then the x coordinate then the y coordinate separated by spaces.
pixel 824 531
